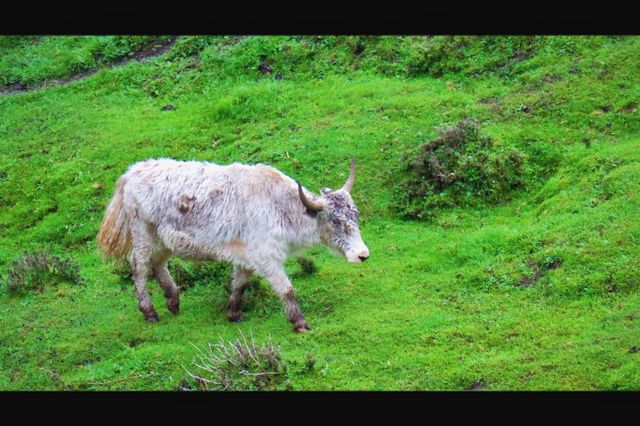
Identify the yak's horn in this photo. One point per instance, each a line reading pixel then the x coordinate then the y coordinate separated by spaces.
pixel 312 206
pixel 352 175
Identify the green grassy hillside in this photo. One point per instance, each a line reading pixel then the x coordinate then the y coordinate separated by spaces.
pixel 538 288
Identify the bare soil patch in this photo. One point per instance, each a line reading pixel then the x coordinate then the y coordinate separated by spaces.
pixel 538 270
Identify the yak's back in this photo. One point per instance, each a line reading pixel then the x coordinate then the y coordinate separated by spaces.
pixel 197 194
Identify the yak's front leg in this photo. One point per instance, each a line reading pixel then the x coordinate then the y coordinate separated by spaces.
pixel 239 284
pixel 282 286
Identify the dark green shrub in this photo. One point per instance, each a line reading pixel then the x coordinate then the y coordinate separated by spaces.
pixel 33 271
pixel 458 168
pixel 240 365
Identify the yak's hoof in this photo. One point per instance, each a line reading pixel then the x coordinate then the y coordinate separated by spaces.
pixel 235 317
pixel 301 327
pixel 151 317
pixel 174 308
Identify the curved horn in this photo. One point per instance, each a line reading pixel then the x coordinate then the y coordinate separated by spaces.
pixel 352 175
pixel 312 206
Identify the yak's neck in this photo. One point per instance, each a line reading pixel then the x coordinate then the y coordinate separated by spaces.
pixel 308 232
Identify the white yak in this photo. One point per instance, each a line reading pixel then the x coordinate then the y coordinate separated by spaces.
pixel 253 216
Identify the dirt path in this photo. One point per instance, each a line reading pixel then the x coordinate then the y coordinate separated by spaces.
pixel 151 50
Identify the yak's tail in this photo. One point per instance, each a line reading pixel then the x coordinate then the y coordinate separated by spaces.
pixel 114 237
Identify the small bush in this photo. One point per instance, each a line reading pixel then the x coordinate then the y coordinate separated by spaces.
pixel 458 168
pixel 239 366
pixel 31 272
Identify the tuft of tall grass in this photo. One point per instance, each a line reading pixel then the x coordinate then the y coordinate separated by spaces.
pixel 34 271
pixel 239 365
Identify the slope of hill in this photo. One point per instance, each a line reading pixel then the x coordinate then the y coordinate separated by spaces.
pixel 539 290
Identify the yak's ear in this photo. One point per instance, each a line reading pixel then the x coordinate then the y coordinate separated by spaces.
pixel 325 191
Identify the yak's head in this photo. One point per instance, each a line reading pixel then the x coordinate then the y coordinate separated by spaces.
pixel 337 217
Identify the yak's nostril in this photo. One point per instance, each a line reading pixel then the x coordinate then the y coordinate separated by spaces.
pixel 363 258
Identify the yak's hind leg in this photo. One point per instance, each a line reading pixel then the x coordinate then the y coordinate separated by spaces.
pixel 142 242
pixel 239 283
pixel 169 287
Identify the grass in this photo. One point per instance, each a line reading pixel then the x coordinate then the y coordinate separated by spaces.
pixel 31 60
pixel 441 304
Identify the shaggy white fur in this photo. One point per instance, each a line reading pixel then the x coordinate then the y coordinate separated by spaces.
pixel 250 215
